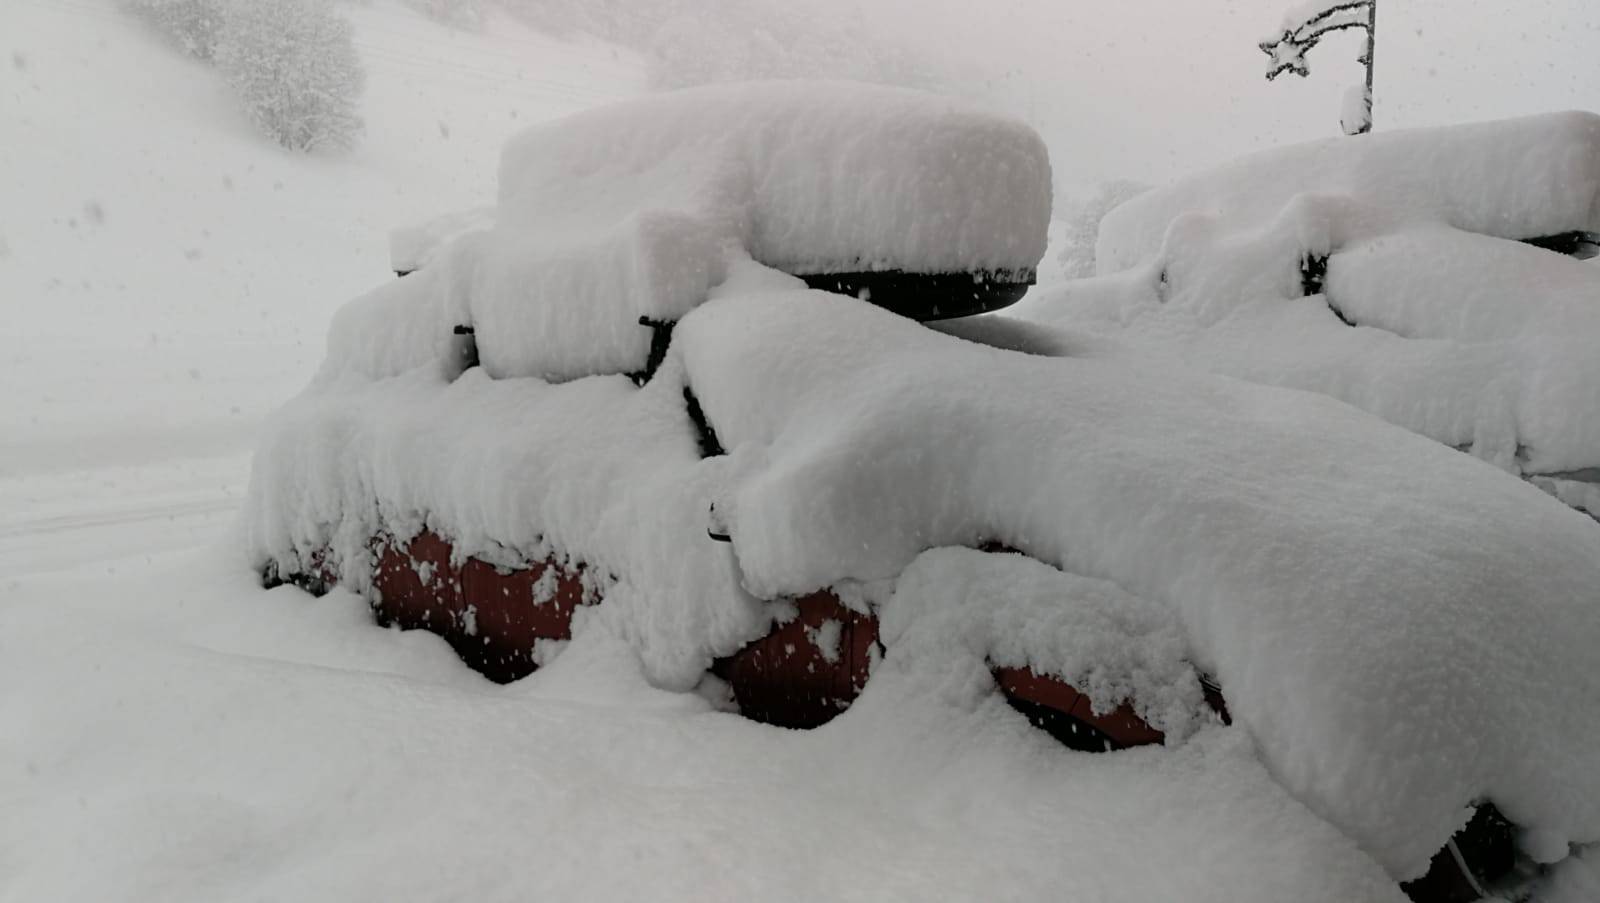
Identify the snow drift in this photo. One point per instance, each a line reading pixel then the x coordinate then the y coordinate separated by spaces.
pixel 1328 568
pixel 1380 270
pixel 1518 179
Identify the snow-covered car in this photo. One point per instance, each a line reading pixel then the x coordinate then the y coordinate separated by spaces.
pixel 625 409
pixel 1435 277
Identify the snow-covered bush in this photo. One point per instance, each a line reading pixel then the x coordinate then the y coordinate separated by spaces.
pixel 195 24
pixel 1392 273
pixel 294 65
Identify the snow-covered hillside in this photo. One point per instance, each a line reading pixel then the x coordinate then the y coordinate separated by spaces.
pixel 168 276
pixel 175 272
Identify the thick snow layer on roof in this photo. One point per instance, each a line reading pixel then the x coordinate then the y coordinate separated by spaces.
pixel 1447 284
pixel 412 247
pixel 635 210
pixel 513 470
pixel 1473 341
pixel 1013 334
pixel 638 209
pixel 1518 178
pixel 1393 662
pixel 1427 314
pixel 406 322
pixel 1583 495
pixel 812 177
pixel 564 301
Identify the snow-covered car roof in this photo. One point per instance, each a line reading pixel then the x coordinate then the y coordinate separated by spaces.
pixel 412 247
pixel 631 213
pixel 1525 178
pixel 1392 271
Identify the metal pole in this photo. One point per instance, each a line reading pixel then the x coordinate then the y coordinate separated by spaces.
pixel 1372 44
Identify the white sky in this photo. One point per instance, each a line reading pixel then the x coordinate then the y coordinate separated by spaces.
pixel 1148 89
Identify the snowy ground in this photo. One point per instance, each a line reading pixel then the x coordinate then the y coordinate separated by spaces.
pixel 168 731
pixel 185 737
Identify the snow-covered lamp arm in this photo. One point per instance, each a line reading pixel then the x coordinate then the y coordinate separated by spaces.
pixel 1304 26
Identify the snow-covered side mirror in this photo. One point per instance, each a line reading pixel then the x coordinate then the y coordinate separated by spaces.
pixel 716 528
pixel 463 353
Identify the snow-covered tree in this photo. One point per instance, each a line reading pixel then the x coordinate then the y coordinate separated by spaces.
pixel 194 24
pixel 1081 224
pixel 1304 26
pixel 457 13
pixel 294 65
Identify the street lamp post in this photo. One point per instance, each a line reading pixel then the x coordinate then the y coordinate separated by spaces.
pixel 1304 27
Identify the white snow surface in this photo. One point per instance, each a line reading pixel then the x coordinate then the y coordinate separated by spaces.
pixel 208 741
pixel 513 469
pixel 1447 284
pixel 1448 343
pixel 1583 495
pixel 635 210
pixel 1004 609
pixel 810 176
pixel 1393 664
pixel 1466 337
pixel 1355 111
pixel 639 208
pixel 412 247
pixel 1516 178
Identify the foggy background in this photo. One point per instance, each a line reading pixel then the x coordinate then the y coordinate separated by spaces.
pixel 1147 89
pixel 1142 89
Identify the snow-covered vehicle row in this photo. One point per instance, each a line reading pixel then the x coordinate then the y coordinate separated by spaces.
pixel 796 488
pixel 1432 277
